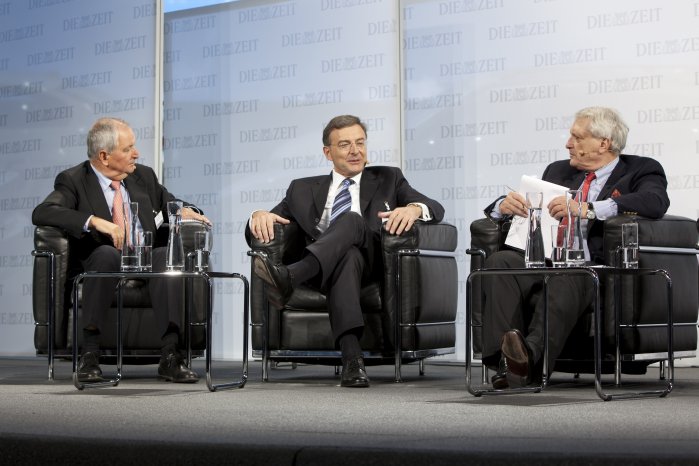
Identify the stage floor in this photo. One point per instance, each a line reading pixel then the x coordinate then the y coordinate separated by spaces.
pixel 302 416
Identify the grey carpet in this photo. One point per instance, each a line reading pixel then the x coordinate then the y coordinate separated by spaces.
pixel 303 417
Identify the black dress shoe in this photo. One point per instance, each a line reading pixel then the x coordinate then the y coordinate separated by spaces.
pixel 276 276
pixel 88 368
pixel 173 368
pixel 354 373
pixel 499 380
pixel 518 358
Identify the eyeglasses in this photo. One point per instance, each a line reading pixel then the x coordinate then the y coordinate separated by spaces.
pixel 345 146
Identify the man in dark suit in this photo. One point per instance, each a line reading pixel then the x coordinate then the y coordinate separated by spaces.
pixel 342 215
pixel 513 334
pixel 82 205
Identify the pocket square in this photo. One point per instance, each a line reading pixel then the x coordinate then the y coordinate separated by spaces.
pixel 616 193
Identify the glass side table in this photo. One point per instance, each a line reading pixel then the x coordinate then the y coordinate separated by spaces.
pixel 208 278
pixel 546 273
pixel 593 274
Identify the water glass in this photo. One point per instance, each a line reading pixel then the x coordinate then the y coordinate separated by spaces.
pixel 629 245
pixel 145 251
pixel 129 249
pixel 559 237
pixel 203 240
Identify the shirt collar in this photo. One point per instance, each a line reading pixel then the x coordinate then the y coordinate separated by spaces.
pixel 105 182
pixel 337 178
pixel 607 169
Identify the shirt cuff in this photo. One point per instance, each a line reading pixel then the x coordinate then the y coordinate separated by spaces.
pixel 425 216
pixel 86 227
pixel 605 209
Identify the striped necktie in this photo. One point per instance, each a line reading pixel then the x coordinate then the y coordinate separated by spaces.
pixel 343 200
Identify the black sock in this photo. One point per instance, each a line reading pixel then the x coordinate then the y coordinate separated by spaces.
pixel 349 345
pixel 91 341
pixel 304 270
pixel 170 341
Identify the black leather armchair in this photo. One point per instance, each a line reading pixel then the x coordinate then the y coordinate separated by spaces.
pixel 409 316
pixel 54 270
pixel 669 244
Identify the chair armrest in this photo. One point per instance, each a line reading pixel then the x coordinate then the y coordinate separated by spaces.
pixel 187 229
pixel 286 247
pixel 426 236
pixel 670 231
pixel 489 236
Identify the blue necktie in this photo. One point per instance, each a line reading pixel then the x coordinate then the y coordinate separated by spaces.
pixel 343 200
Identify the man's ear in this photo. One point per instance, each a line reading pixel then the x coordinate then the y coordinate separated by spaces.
pixel 103 158
pixel 605 144
pixel 326 152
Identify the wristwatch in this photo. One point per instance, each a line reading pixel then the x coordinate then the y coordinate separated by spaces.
pixel 590 212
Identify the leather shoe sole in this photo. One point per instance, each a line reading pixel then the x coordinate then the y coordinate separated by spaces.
pixel 516 353
pixel 276 276
pixel 354 374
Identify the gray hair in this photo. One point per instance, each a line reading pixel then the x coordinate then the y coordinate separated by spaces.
pixel 104 135
pixel 606 123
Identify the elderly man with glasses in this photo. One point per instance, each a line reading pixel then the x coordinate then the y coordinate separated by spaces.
pixel 342 214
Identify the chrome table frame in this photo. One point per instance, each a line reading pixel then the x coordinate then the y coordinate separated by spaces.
pixel 547 273
pixel 122 276
pixel 618 325
pixel 593 273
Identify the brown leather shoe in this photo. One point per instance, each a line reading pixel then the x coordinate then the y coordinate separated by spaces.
pixel 517 357
pixel 276 276
pixel 499 380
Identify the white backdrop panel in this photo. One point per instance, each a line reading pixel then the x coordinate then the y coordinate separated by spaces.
pixel 249 87
pixel 490 89
pixel 62 65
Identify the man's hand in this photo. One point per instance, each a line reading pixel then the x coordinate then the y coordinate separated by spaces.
pixel 262 225
pixel 401 219
pixel 110 229
pixel 188 213
pixel 558 209
pixel 514 204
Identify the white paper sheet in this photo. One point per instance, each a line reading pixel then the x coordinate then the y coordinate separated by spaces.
pixel 517 236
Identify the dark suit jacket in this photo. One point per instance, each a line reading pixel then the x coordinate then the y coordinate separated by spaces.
pixel 77 195
pixel 305 200
pixel 637 184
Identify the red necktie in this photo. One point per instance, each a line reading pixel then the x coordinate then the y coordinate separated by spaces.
pixel 118 206
pixel 586 185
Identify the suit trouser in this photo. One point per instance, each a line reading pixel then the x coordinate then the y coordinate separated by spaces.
pixel 98 294
pixel 517 302
pixel 342 253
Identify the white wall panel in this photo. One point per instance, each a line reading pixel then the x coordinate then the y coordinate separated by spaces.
pixel 63 64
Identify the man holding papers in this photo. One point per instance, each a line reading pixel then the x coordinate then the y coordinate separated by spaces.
pixel 612 183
